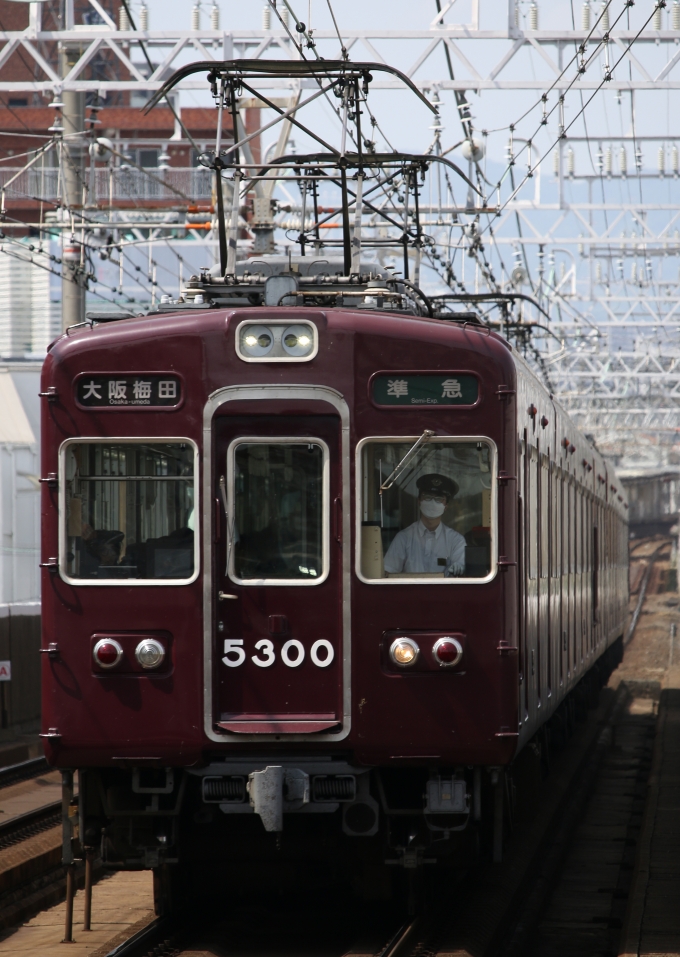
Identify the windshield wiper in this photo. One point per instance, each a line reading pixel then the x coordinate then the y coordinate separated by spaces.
pixel 392 477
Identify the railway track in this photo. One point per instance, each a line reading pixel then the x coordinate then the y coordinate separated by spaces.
pixel 24 771
pixel 159 939
pixel 31 876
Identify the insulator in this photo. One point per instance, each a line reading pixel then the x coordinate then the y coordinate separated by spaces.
pixel 619 267
pixel 196 17
pixel 284 16
pixel 633 271
pixel 661 160
pixel 599 160
pixel 215 17
pixel 648 264
pixel 585 16
pixel 675 160
pixel 598 272
pixel 556 162
pixel 623 160
pixel 144 17
pixel 123 19
pixel 608 161
pixel 563 271
pixel 266 17
pixel 656 19
pixel 604 17
pixel 638 159
pixel 675 15
pixel 533 15
pixel 571 162
pixel 517 14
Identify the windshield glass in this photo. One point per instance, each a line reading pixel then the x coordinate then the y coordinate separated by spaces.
pixel 129 510
pixel 434 519
pixel 278 531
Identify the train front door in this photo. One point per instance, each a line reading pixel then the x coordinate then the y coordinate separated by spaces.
pixel 278 632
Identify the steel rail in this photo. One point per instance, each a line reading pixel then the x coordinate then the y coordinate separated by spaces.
pixel 32 822
pixel 22 771
pixel 147 939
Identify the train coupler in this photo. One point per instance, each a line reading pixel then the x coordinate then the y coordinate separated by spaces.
pixel 270 789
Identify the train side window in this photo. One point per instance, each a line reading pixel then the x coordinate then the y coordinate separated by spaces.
pixel 435 519
pixel 544 530
pixel 128 511
pixel 279 500
pixel 532 467
pixel 555 522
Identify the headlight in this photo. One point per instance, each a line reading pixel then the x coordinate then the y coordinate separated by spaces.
pixel 297 340
pixel 256 341
pixel 150 653
pixel 277 341
pixel 404 651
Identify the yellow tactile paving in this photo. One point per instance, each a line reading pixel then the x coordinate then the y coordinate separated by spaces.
pixel 118 902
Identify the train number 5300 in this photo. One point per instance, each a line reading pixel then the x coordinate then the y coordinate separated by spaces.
pixel 292 653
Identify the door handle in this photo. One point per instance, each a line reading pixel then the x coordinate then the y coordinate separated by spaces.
pixel 223 496
pixel 337 520
pixel 222 596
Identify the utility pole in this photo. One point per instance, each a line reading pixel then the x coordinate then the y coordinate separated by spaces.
pixel 73 173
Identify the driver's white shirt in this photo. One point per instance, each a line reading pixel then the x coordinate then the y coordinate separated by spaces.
pixel 417 549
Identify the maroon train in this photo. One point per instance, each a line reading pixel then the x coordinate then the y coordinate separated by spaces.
pixel 227 657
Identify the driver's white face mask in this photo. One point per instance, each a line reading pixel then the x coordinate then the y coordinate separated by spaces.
pixel 432 509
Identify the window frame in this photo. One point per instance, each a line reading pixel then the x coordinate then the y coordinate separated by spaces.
pixel 359 507
pixel 325 508
pixel 62 512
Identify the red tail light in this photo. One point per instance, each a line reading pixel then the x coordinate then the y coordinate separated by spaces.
pixel 107 653
pixel 447 651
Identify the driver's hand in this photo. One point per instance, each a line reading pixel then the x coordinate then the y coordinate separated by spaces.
pixel 457 569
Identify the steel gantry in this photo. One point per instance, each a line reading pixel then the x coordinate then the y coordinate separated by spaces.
pixel 549 108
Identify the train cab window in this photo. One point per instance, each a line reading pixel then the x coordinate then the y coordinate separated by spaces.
pixel 434 519
pixel 128 511
pixel 278 497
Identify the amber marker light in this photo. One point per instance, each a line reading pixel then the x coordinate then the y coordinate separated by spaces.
pixel 107 653
pixel 404 652
pixel 447 651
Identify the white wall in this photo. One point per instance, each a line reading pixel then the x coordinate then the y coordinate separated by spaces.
pixel 19 486
pixel 29 318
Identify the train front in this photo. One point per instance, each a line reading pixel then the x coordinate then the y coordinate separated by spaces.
pixel 279 586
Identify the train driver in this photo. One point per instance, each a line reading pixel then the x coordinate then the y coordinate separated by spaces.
pixel 428 545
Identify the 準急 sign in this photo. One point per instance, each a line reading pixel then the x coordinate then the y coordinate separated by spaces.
pixel 425 390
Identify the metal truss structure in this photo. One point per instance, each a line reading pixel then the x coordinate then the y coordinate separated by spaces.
pixel 580 220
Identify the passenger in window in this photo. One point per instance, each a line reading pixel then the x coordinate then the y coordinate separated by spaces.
pixel 428 546
pixel 104 545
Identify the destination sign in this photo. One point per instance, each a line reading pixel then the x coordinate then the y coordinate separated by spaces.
pixel 115 390
pixel 425 390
